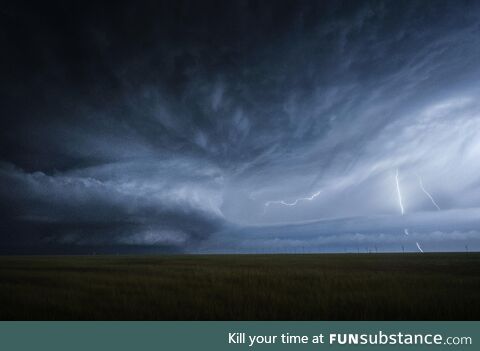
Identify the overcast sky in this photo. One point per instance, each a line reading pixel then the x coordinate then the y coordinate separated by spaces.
pixel 237 126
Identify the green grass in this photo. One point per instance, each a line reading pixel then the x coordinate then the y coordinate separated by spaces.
pixel 242 287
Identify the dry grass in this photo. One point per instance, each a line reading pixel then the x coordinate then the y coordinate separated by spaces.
pixel 242 287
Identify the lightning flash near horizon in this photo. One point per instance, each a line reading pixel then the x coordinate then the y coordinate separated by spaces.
pixel 418 246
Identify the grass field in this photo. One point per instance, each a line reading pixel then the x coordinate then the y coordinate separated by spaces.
pixel 242 287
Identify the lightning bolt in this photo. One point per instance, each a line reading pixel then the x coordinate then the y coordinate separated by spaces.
pixel 400 203
pixel 419 248
pixel 427 193
pixel 399 193
pixel 294 203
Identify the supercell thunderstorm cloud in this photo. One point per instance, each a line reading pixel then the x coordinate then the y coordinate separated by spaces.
pixel 239 126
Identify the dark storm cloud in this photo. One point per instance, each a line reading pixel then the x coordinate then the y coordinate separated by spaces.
pixel 111 209
pixel 162 123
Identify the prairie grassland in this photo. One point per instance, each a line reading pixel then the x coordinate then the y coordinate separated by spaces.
pixel 242 287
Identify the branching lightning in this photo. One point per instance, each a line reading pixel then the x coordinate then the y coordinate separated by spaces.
pixel 418 246
pixel 427 193
pixel 400 203
pixel 294 203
